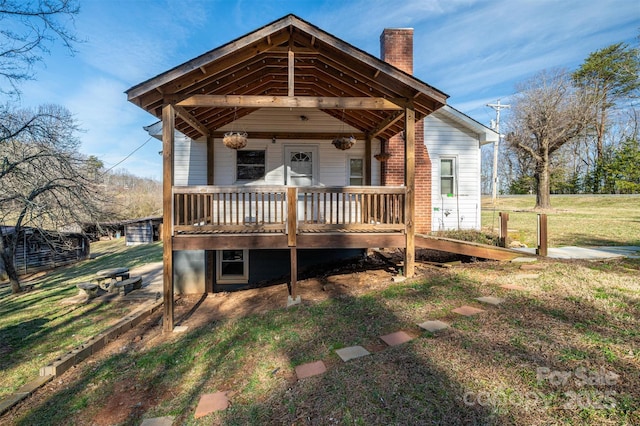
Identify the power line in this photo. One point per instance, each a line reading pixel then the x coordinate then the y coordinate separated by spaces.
pixel 127 157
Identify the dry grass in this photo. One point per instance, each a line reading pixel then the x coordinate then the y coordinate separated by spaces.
pixel 579 319
pixel 584 220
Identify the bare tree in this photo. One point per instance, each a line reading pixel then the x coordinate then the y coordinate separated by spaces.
pixel 27 29
pixel 44 181
pixel 547 113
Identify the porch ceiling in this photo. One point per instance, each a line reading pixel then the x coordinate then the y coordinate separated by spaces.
pixel 293 58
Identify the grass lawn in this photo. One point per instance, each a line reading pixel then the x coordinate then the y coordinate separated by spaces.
pixel 36 327
pixel 564 351
pixel 575 220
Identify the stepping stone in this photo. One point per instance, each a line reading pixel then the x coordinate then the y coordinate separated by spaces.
pixel 310 369
pixel 211 402
pixel 527 276
pixel 158 421
pixel 397 338
pixel 180 328
pixel 524 260
pixel 490 300
pixel 467 311
pixel 512 287
pixel 532 267
pixel 433 326
pixel 352 352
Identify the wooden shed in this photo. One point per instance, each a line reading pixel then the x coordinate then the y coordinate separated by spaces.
pixel 39 250
pixel 142 231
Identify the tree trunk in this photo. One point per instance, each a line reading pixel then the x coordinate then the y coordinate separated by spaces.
pixel 7 258
pixel 543 197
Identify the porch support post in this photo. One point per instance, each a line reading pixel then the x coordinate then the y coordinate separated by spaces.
pixel 292 231
pixel 367 159
pixel 410 184
pixel 209 255
pixel 168 132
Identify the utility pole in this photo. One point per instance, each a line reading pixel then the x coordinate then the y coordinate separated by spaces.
pixel 497 107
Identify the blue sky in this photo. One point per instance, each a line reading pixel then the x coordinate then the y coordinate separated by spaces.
pixel 473 50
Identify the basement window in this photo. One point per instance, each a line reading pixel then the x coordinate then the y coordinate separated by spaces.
pixel 447 176
pixel 250 165
pixel 232 266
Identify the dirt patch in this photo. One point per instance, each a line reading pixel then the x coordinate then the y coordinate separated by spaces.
pixel 125 401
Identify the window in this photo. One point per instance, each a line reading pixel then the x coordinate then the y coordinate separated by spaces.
pixel 447 176
pixel 232 266
pixel 250 164
pixel 356 171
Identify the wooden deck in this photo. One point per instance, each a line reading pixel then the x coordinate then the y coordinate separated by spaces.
pixel 216 217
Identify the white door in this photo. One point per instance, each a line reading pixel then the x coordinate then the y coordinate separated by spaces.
pixel 301 165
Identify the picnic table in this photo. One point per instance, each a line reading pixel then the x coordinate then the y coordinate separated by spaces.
pixel 107 278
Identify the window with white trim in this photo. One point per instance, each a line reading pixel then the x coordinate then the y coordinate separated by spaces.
pixel 356 171
pixel 250 164
pixel 447 176
pixel 232 266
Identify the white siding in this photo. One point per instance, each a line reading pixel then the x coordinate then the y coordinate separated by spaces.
pixel 190 161
pixel 332 162
pixel 446 138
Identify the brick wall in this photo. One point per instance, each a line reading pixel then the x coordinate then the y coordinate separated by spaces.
pixel 396 48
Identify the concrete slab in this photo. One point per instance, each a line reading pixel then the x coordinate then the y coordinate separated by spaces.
pixel 352 352
pixel 589 253
pixel 397 338
pixel 180 328
pixel 468 311
pixel 310 369
pixel 490 300
pixel 525 259
pixel 293 302
pixel 158 421
pixel 210 403
pixel 433 325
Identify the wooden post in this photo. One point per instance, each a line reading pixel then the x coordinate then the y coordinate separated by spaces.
pixel 410 184
pixel 367 160
pixel 209 255
pixel 292 230
pixel 294 272
pixel 542 235
pixel 502 230
pixel 168 136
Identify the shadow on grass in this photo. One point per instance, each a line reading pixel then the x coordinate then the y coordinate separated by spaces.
pixel 425 381
pixel 397 385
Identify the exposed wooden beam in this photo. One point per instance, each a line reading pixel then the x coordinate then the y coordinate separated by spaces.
pixel 279 135
pixel 193 122
pixel 291 73
pixel 385 124
pixel 232 101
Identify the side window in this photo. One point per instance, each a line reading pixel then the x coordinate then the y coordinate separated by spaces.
pixel 232 266
pixel 250 164
pixel 356 171
pixel 447 176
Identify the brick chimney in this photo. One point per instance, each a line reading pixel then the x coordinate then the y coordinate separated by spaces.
pixel 396 48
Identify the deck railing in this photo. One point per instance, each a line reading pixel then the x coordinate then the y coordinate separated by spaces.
pixel 281 209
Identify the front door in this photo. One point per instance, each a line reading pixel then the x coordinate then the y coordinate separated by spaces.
pixel 301 165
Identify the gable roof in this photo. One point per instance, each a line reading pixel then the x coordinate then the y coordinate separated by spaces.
pixel 257 64
pixel 485 134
